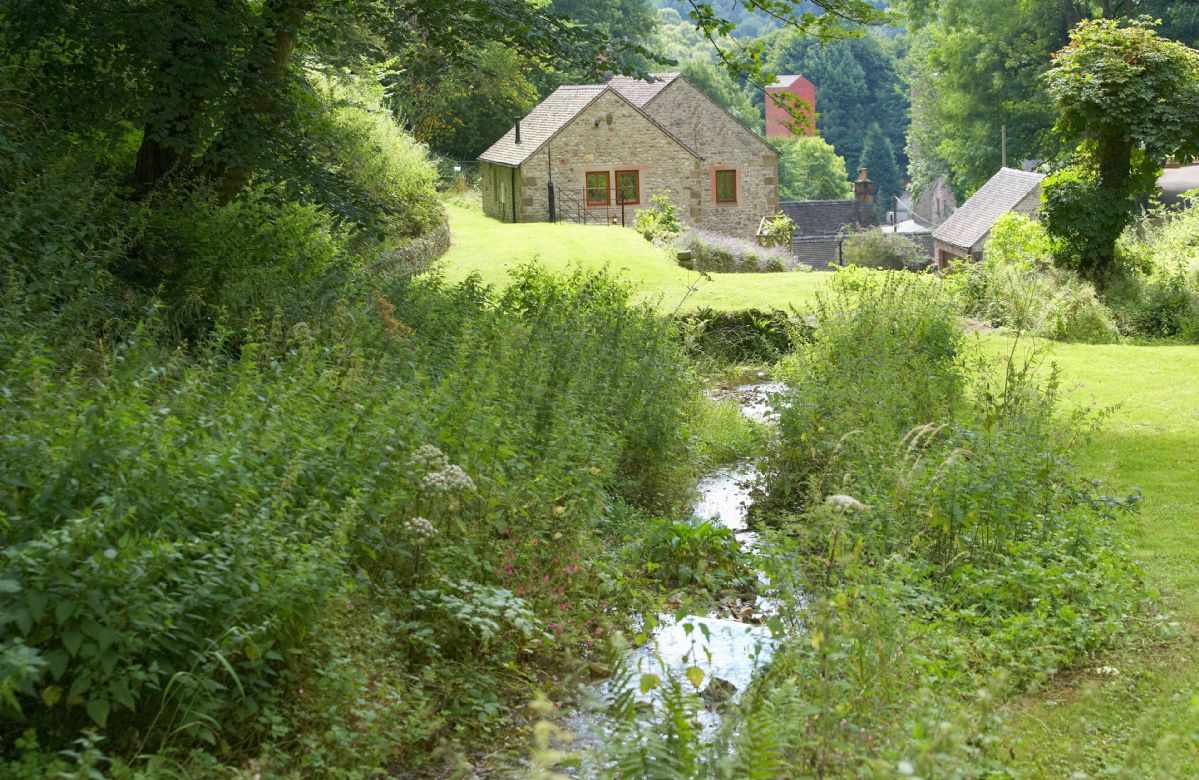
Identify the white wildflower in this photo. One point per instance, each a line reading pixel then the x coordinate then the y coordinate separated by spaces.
pixel 846 504
pixel 449 479
pixel 419 527
pixel 429 458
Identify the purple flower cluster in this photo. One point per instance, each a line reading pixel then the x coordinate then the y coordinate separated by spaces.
pixel 718 253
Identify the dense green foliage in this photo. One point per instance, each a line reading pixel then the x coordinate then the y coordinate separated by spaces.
pixel 461 110
pixel 746 336
pixel 976 69
pixel 205 513
pixel 876 249
pixel 220 93
pixel 878 159
pixel 947 553
pixel 1016 286
pixel 229 529
pixel 810 169
pixel 1129 99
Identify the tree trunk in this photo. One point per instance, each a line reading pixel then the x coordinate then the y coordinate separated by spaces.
pixel 154 160
pixel 266 77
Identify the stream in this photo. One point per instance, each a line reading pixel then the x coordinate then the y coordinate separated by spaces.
pixel 728 651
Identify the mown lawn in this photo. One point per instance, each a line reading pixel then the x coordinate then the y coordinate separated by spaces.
pixel 492 248
pixel 1143 721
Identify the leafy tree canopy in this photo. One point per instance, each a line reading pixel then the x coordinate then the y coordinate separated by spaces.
pixel 1127 98
pixel 975 67
pixel 460 110
pixel 878 158
pixel 810 169
pixel 217 89
pixel 857 85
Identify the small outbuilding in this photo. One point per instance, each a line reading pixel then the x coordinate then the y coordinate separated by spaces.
pixel 821 225
pixel 965 233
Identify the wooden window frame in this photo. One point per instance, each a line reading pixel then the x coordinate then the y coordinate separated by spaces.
pixel 607 201
pixel 716 186
pixel 636 201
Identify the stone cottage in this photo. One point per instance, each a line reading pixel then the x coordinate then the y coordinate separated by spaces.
pixel 603 150
pixel 965 233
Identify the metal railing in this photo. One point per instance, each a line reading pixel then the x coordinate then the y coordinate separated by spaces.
pixel 578 206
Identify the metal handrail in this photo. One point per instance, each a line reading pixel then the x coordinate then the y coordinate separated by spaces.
pixel 572 205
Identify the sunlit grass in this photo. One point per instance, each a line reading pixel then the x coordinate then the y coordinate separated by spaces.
pixel 493 248
pixel 1143 722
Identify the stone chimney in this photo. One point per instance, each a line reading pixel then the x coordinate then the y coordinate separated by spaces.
pixel 863 189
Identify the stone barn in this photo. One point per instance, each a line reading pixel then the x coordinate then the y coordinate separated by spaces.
pixel 598 153
pixel 964 234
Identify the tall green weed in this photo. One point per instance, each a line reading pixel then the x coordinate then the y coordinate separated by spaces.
pixel 177 525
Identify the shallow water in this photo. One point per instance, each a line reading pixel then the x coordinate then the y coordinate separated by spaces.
pixel 728 649
pixel 756 400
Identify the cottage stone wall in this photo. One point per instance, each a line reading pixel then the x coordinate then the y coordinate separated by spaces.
pixel 610 135
pixel 495 184
pixel 725 144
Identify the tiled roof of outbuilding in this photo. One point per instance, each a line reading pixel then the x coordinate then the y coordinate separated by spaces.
pixel 974 219
pixel 828 217
pixel 543 122
pixel 640 92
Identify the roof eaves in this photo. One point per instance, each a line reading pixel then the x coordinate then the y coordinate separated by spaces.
pixel 553 135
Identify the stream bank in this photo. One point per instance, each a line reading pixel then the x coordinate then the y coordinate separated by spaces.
pixel 728 643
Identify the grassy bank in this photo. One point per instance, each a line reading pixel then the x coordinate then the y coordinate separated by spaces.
pixel 492 249
pixel 1141 722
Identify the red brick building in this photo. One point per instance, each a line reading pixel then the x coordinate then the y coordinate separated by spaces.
pixel 778 117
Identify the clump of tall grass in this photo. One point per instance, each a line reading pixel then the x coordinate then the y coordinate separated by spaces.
pixel 934 551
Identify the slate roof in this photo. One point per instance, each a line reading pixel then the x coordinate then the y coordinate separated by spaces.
pixel 827 217
pixel 815 251
pixel 786 81
pixel 640 92
pixel 974 219
pixel 543 122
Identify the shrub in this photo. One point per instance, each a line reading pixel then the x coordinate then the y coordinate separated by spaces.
pixel 876 249
pixel 658 222
pixel 227 262
pixel 361 166
pixel 777 231
pixel 718 253
pixel 951 543
pixel 884 358
pixel 945 555
pixel 1015 286
pixel 1160 298
pixel 697 553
